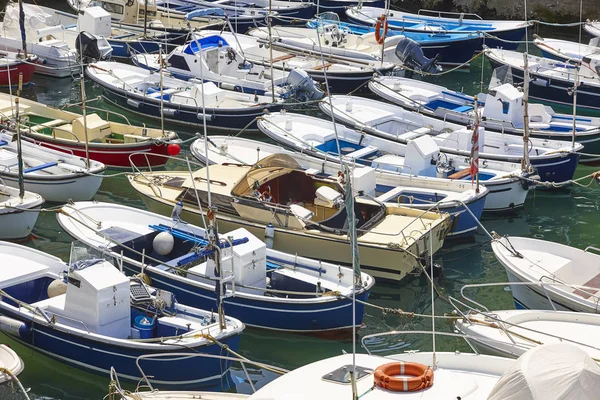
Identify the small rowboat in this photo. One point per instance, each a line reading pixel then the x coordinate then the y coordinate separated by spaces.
pixel 14 64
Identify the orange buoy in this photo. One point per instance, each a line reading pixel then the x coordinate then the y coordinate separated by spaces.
pixel 381 21
pixel 421 376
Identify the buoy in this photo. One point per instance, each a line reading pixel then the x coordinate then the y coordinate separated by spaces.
pixel 288 124
pixel 349 105
pixel 56 288
pixel 173 149
pixel 270 231
pixel 163 243
pixel 145 278
pixel 14 327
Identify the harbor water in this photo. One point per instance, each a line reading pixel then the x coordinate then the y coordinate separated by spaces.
pixel 570 216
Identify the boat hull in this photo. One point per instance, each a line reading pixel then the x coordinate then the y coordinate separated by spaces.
pixel 17 224
pixel 9 75
pixel 98 356
pixel 60 189
pixel 381 262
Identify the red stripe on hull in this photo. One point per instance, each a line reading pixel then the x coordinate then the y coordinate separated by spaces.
pixel 16 67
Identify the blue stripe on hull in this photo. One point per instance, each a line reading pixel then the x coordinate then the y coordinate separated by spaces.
pixel 283 316
pixel 560 170
pixel 464 224
pixel 99 357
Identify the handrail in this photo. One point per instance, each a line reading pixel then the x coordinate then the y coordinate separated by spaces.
pixel 417 332
pixel 439 13
pixel 587 249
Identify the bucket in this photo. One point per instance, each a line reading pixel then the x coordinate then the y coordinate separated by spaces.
pixel 145 325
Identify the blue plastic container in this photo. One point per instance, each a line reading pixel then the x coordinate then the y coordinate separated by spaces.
pixel 145 325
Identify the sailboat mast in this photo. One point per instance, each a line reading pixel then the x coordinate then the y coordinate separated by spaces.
pixel 525 160
pixel 83 109
pixel 22 26
pixel 19 149
pixel 145 16
pixel 575 84
pixel 271 52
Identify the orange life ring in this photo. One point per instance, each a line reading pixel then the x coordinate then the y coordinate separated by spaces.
pixel 422 376
pixel 382 20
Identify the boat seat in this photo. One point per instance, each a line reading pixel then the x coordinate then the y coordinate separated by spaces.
pixel 40 167
pixel 301 212
pixel 463 109
pixel 97 128
pixel 180 323
pixel 327 197
pixel 587 293
pixel 360 153
pixel 49 124
pixel 415 133
pixel 52 304
pixel 321 66
pixel 424 96
pixel 64 132
pixel 460 174
pixel 283 58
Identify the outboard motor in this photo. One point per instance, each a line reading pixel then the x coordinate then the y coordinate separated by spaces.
pixel 411 54
pixel 303 86
pixel 92 48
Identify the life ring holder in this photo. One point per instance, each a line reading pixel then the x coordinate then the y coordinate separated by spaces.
pixel 421 376
pixel 381 21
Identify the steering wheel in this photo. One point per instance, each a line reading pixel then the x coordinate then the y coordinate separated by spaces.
pixel 231 56
pixel 441 164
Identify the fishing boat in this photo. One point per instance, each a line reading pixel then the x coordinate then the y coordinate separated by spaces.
pixel 497 33
pixel 152 94
pixel 391 188
pixel 555 161
pixel 548 275
pixel 305 210
pixel 15 64
pixel 592 27
pixel 54 175
pixel 501 110
pixel 17 214
pixel 56 48
pixel 344 74
pixel 566 50
pixel 553 80
pixel 111 143
pixel 211 58
pixel 510 333
pixel 556 371
pixel 89 315
pixel 328 35
pixel 265 288
pixel 340 6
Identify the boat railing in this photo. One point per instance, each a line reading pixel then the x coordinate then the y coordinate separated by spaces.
pixel 70 319
pixel 372 336
pixel 543 285
pixel 587 249
pixel 494 321
pixel 441 14
pixel 55 146
pixel 145 380
pixel 488 120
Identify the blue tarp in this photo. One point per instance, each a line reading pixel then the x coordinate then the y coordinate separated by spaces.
pixel 204 12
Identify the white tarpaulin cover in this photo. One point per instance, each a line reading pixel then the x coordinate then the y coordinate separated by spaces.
pixel 559 371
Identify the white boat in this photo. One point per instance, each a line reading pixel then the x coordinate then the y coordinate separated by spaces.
pixel 56 176
pixel 418 157
pixel 544 271
pixel 55 45
pixel 592 27
pixel 17 215
pixel 9 361
pixel 499 110
pixel 510 333
pixel 554 160
pixel 305 209
pixel 213 59
pixel 549 372
pixel 567 50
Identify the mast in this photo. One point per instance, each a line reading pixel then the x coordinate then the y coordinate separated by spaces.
pixel 145 16
pixel 525 160
pixel 19 149
pixel 22 26
pixel 83 109
pixel 575 84
pixel 271 52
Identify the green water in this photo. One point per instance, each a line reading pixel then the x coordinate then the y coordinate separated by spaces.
pixel 568 216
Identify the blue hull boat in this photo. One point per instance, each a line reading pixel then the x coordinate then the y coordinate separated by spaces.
pixel 89 315
pixel 280 291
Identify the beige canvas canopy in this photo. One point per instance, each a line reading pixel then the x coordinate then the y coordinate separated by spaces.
pixel 265 170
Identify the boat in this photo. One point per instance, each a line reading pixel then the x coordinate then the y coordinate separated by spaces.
pixel 11 366
pixel 327 34
pixel 552 80
pixel 510 333
pixel 390 188
pixel 307 217
pixel 497 33
pixel 566 50
pixel 192 102
pixel 592 27
pixel 211 58
pixel 14 65
pixel 546 275
pixel 108 142
pixel 340 6
pixel 17 213
pixel 420 160
pixel 556 371
pixel 89 315
pixel 555 161
pixel 53 174
pixel 56 48
pixel 265 288
pixel 344 74
pixel 500 110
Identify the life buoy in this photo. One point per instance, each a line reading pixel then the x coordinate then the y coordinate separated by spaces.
pixel 382 20
pixel 421 376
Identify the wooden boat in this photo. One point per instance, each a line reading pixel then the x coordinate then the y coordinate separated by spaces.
pixel 553 80
pixel 305 209
pixel 391 188
pixel 211 58
pixel 13 64
pixel 344 74
pixel 139 90
pixel 510 333
pixel 110 143
pixel 265 288
pixel 554 160
pixel 500 110
pixel 420 157
pixel 89 315
pixel 55 175
pixel 504 34
pixel 545 271
pixel 17 216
